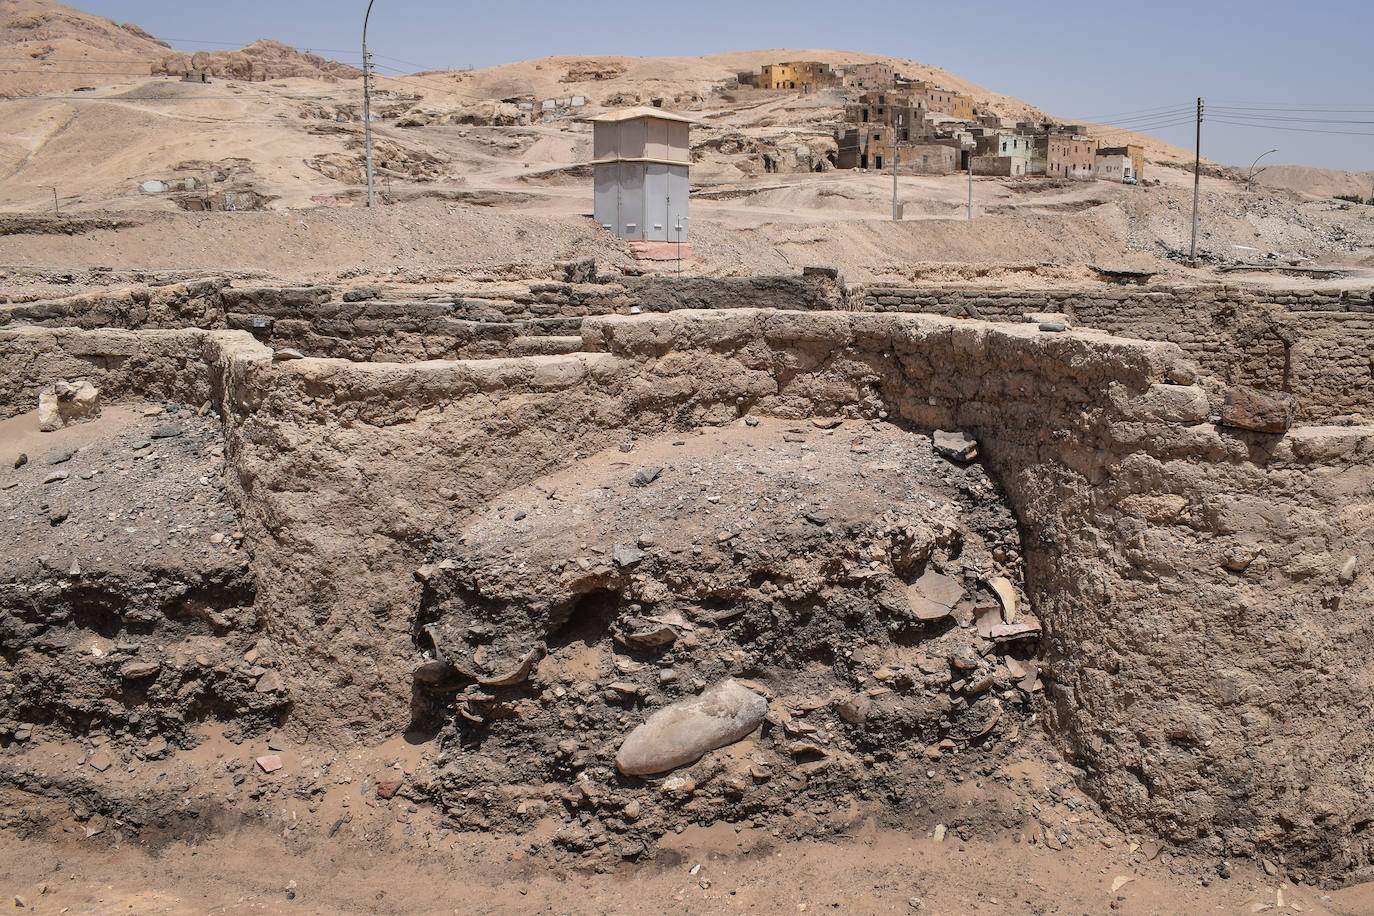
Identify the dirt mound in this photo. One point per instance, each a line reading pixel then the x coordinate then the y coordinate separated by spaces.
pixel 844 572
pixel 126 604
pixel 1317 182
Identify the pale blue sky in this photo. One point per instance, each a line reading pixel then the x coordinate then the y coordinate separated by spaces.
pixel 1072 59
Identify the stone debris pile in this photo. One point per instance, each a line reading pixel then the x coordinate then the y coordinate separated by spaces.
pixel 723 624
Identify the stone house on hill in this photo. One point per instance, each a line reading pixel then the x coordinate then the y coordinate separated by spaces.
pixel 1121 163
pixel 870 76
pixel 1069 155
pixel 801 75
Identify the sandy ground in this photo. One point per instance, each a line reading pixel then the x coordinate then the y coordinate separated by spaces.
pixel 271 863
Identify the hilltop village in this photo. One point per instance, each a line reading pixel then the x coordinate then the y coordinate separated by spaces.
pixel 922 128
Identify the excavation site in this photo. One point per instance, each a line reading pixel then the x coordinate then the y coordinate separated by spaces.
pixel 556 460
pixel 601 576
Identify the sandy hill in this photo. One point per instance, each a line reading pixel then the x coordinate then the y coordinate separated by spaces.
pixel 280 131
pixel 1317 182
pixel 48 47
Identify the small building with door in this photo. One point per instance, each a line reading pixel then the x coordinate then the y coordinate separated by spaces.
pixel 1069 154
pixel 1121 163
pixel 640 162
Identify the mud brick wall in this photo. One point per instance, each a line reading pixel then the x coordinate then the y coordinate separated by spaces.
pixel 196 304
pixel 1316 345
pixel 1205 591
pixel 153 365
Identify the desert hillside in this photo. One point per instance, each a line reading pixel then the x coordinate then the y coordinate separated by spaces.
pixel 49 47
pixel 1317 182
pixel 506 148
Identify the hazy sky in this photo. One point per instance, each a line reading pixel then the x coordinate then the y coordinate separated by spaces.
pixel 1273 64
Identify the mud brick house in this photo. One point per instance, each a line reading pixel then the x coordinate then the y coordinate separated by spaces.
pixel 938 99
pixel 1002 152
pixel 803 75
pixel 1069 154
pixel 870 76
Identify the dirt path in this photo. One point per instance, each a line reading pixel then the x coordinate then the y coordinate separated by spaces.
pixel 699 872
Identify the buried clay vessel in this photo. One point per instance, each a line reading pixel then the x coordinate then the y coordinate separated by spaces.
pixel 681 733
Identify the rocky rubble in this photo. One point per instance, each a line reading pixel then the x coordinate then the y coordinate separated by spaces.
pixel 831 599
pixel 126 599
pixel 66 402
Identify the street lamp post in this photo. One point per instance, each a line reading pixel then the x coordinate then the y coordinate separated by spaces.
pixel 367 107
pixel 1249 182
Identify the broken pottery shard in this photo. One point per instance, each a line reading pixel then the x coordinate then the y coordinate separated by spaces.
pixel 137 671
pixel 1349 569
pixel 1261 411
pixel 956 446
pixel 436 673
pixel 1008 631
pixel 679 734
pixel 646 635
pixel 625 555
pixel 934 595
pixel 1006 594
pixel 517 675
pixel 986 617
pixel 270 682
pixel 270 763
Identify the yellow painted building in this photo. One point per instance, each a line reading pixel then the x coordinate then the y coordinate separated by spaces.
pixel 798 75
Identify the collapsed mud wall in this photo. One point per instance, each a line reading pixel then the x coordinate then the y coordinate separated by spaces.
pixel 154 365
pixel 1315 345
pixel 1205 591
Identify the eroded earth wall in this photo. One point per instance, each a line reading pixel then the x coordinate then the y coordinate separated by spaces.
pixel 1205 591
pixel 1315 344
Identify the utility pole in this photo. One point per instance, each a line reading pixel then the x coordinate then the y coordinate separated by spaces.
pixel 367 106
pixel 895 128
pixel 895 216
pixel 970 185
pixel 1197 181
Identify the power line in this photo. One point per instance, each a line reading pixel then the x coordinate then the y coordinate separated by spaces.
pixel 1139 111
pixel 15 72
pixel 1247 117
pixel 1278 106
pixel 1303 130
pixel 72 60
pixel 1147 124
pixel 1119 131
